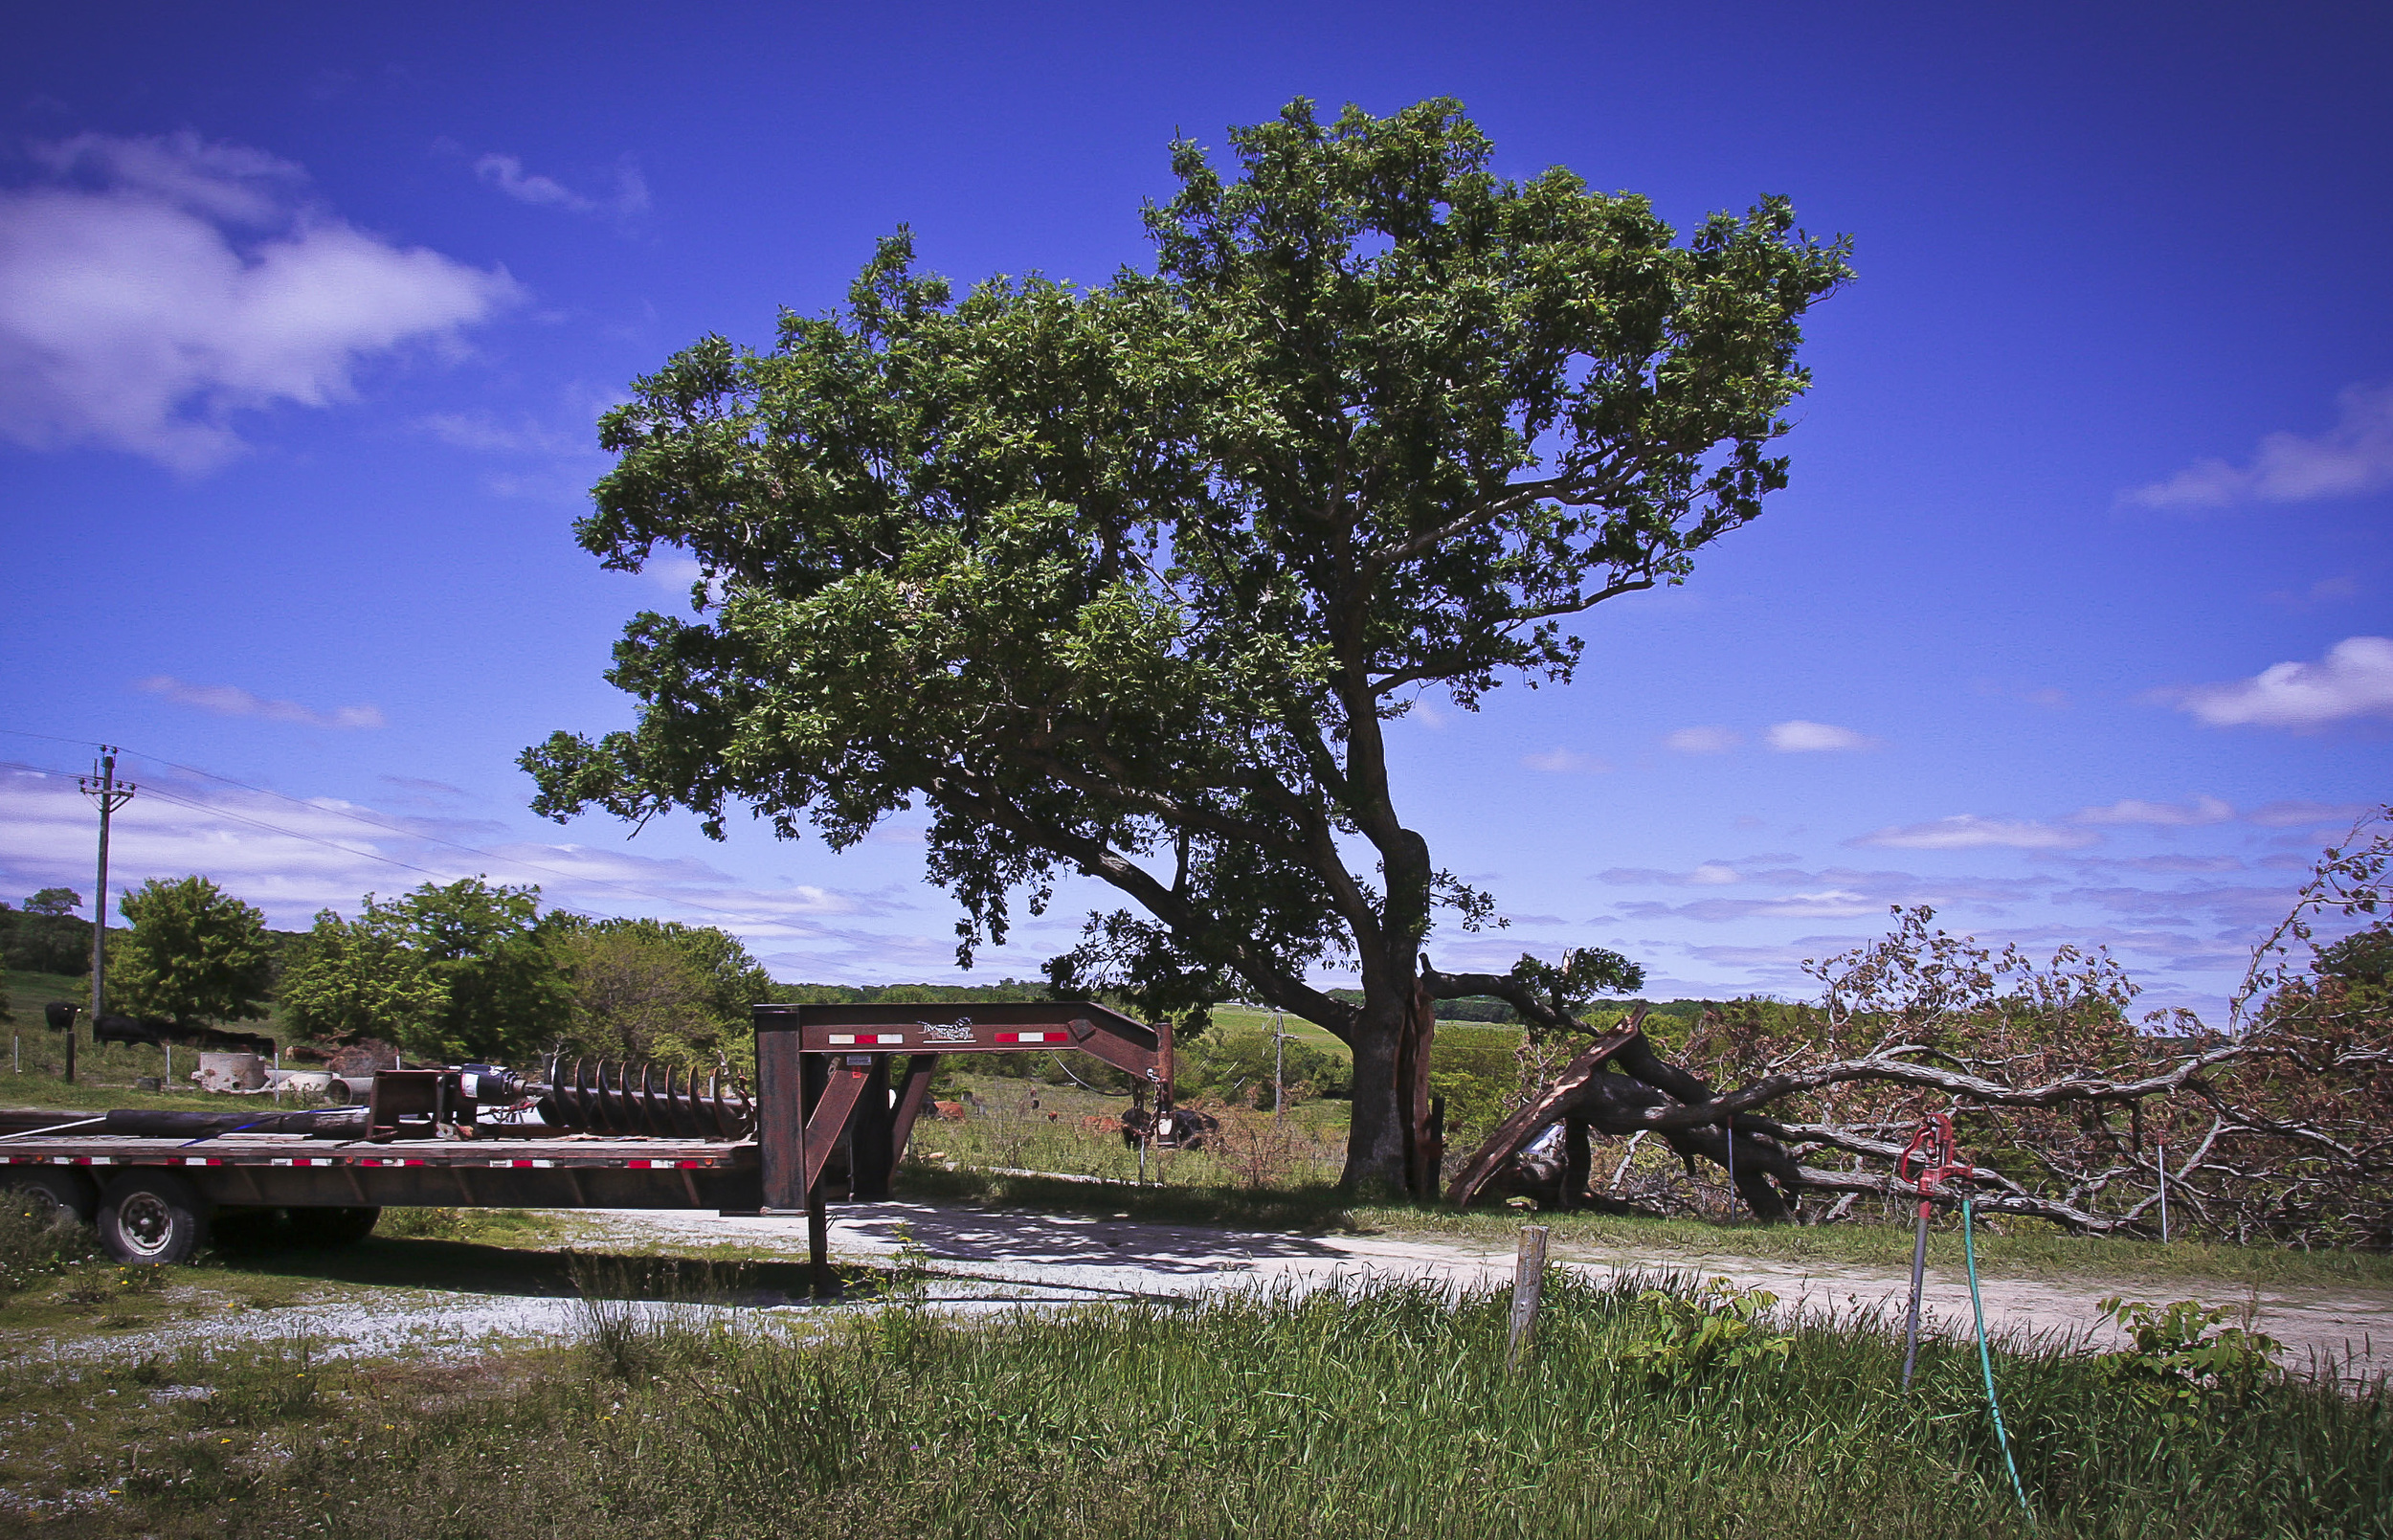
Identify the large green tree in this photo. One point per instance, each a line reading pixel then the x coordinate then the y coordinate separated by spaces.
pixel 657 989
pixel 1128 581
pixel 196 953
pixel 448 971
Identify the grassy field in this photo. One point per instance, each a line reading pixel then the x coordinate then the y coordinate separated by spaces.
pixel 1249 1018
pixel 1387 1411
pixel 104 1073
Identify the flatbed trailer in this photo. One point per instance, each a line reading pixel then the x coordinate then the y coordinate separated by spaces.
pixel 827 1097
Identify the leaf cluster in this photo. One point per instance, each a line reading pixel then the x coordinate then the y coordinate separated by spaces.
pixel 196 953
pixel 450 973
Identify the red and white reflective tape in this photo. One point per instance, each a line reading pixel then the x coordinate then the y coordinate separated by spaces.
pixel 538 1165
pixel 668 1165
pixel 1034 1036
pixel 866 1039
pixel 195 1160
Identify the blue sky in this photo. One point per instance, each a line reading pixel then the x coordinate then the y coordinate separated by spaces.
pixel 2072 624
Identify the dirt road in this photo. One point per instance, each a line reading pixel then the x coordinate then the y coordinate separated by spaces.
pixel 1051 1255
pixel 984 1260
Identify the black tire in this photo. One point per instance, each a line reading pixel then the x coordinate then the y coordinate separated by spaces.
pixel 69 1192
pixel 153 1217
pixel 328 1228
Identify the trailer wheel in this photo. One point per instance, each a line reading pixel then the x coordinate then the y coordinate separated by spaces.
pixel 153 1217
pixel 330 1227
pixel 69 1193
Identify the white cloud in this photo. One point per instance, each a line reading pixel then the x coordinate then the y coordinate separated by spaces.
pixel 2202 810
pixel 152 289
pixel 1702 741
pixel 1707 874
pixel 293 857
pixel 231 701
pixel 1967 831
pixel 1813 737
pixel 1565 762
pixel 2354 680
pixel 507 174
pixel 2353 456
pixel 2291 815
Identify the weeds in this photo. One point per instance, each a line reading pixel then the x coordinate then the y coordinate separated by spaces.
pixel 1368 1409
pixel 38 1242
pixel 2186 1362
pixel 1684 1335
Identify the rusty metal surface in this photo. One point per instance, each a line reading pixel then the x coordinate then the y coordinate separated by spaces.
pixel 299 1150
pixel 647 1099
pixel 982 1027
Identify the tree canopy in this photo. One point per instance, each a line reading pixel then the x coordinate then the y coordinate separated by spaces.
pixel 46 936
pixel 460 971
pixel 1128 581
pixel 660 989
pixel 196 953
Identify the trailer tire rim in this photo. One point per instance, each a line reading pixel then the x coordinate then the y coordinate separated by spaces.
pixel 146 1222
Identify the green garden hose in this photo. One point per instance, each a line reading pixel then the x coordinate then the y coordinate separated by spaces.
pixel 1985 1363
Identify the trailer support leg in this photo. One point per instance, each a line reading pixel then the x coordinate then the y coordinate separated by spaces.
pixel 826 1283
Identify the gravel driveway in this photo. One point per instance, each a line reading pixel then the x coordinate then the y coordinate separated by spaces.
pixel 985 1259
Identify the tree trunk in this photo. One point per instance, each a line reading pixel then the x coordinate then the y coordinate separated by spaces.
pixel 1376 1146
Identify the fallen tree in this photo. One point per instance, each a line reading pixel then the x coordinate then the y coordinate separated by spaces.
pixel 2277 1126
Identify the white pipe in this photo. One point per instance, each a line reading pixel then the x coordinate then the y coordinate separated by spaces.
pixel 2160 1147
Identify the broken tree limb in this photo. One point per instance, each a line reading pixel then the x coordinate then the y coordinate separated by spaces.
pixel 1539 1110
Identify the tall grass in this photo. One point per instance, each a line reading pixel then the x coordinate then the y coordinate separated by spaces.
pixel 1376 1410
pixel 1388 1409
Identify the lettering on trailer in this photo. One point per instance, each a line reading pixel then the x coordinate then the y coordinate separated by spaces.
pixel 939 1031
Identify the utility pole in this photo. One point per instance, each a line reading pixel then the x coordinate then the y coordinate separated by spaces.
pixel 104 788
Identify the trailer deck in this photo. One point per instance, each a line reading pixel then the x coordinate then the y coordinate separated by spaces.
pixel 279 1170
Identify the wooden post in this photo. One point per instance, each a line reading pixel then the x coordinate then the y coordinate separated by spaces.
pixel 1529 1286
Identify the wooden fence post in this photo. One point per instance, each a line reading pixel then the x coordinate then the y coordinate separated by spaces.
pixel 1528 1284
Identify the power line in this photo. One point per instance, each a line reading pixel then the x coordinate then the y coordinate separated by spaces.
pixel 237 817
pixel 392 829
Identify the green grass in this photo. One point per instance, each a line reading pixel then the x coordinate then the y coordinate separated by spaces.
pixel 103 1071
pixel 1248 1018
pixel 1385 1411
pixel 1307 1146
